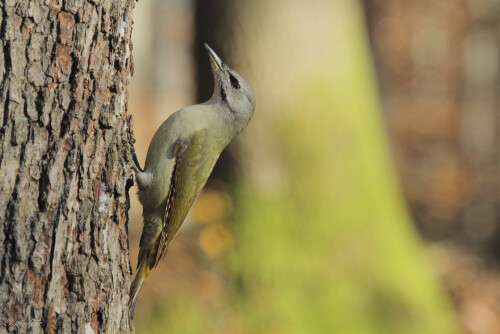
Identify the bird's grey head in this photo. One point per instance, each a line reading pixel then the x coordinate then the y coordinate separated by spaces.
pixel 231 89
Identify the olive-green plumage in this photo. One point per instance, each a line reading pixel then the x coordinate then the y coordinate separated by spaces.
pixel 181 157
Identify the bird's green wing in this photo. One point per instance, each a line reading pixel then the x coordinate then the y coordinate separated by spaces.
pixel 193 164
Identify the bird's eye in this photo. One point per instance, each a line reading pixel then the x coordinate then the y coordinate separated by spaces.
pixel 234 83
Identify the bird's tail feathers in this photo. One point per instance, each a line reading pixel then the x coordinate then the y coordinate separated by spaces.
pixel 135 287
pixel 143 270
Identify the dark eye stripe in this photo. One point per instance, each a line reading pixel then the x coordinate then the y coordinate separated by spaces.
pixel 233 80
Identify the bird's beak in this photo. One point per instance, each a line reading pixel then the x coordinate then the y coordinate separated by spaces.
pixel 217 64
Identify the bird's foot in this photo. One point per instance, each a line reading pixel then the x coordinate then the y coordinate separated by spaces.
pixel 130 156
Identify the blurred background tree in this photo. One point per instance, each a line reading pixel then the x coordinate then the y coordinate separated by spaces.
pixel 303 227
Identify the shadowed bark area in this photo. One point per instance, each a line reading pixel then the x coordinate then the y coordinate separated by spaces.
pixel 65 67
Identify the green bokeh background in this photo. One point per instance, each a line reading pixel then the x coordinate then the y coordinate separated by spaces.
pixel 331 248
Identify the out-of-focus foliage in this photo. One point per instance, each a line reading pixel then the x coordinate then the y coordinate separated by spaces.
pixel 330 248
pixel 439 71
pixel 315 237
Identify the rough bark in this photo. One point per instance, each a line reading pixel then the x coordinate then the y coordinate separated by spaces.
pixel 65 67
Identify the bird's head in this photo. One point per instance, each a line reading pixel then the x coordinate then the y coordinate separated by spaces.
pixel 231 88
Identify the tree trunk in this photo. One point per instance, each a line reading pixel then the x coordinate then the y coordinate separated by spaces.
pixel 65 67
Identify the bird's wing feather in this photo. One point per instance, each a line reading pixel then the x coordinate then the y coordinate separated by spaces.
pixel 189 173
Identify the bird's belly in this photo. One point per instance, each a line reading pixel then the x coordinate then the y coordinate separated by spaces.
pixel 155 195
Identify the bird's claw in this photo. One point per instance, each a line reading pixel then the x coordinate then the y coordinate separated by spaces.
pixel 130 156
